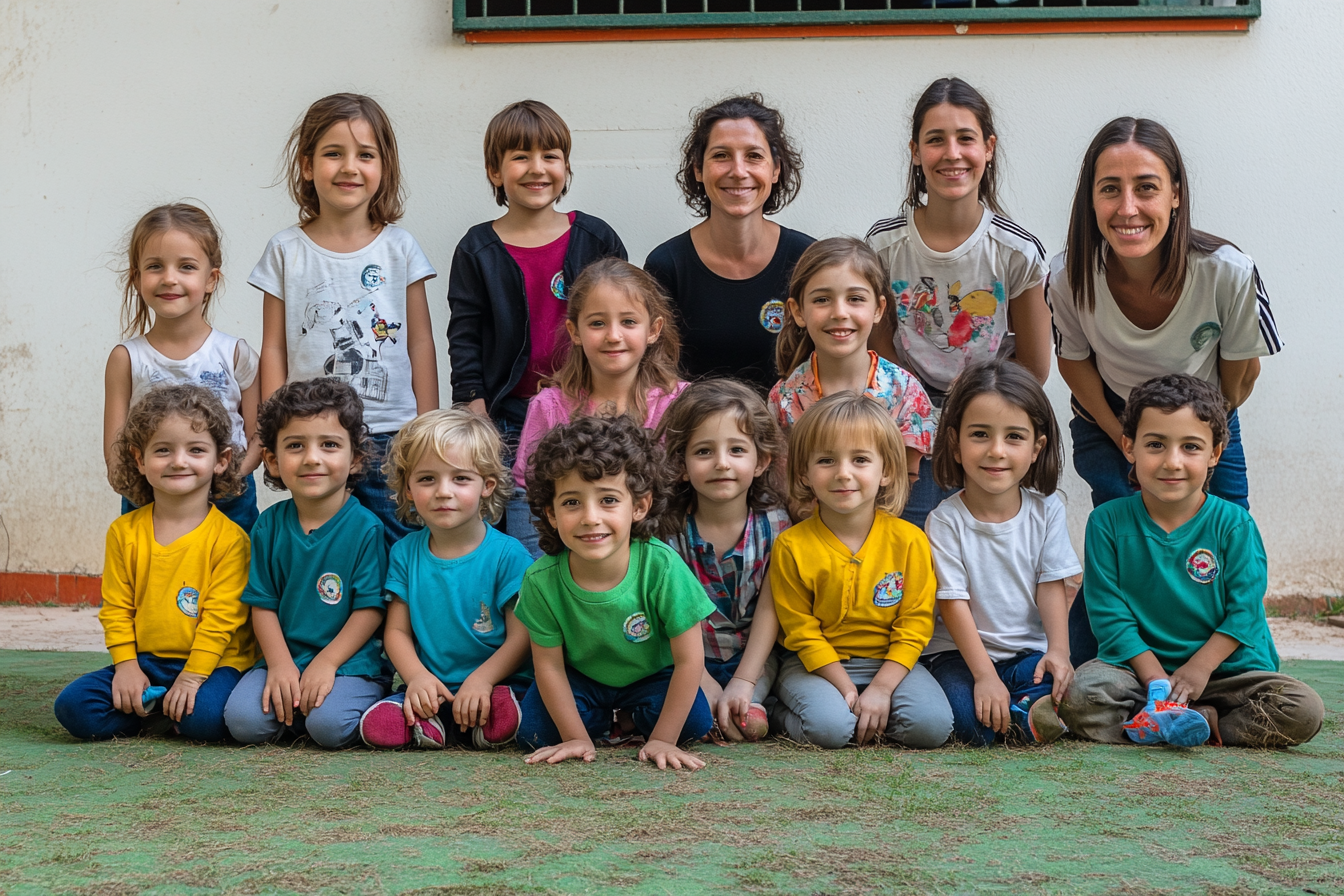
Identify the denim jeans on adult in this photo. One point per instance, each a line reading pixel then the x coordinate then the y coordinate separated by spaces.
pixel 1016 673
pixel 597 702
pixel 372 491
pixel 1104 468
pixel 508 418
pixel 85 707
pixel 241 508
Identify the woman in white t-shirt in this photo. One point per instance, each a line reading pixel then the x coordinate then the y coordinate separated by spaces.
pixel 969 282
pixel 1139 293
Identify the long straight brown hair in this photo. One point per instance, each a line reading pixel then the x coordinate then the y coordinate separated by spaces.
pixel 794 344
pixel 386 205
pixel 1086 249
pixel 954 92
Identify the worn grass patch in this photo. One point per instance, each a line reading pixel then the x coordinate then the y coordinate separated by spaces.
pixel 166 817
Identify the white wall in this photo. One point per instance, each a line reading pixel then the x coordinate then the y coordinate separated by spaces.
pixel 109 108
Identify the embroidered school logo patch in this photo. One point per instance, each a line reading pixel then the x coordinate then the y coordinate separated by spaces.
pixel 483 624
pixel 1204 334
pixel 890 590
pixel 772 315
pixel 637 628
pixel 329 588
pixel 188 601
pixel 1202 566
pixel 372 277
pixel 558 285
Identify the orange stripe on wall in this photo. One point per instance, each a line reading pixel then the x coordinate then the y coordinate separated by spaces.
pixel 67 589
pixel 901 29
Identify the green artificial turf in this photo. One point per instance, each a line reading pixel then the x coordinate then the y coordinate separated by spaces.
pixel 163 816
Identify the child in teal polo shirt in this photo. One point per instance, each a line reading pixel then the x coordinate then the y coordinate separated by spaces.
pixel 316 581
pixel 614 615
pixel 1175 581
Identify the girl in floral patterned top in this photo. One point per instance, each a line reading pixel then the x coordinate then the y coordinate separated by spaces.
pixel 838 292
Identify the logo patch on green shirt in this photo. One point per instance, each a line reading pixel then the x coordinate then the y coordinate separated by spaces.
pixel 637 628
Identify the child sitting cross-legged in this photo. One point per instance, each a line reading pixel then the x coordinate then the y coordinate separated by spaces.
pixel 614 615
pixel 451 587
pixel 1175 580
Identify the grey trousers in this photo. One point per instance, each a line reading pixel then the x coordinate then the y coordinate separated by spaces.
pixel 334 724
pixel 1255 709
pixel 810 710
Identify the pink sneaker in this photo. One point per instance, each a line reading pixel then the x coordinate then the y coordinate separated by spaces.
pixel 384 726
pixel 505 716
pixel 756 724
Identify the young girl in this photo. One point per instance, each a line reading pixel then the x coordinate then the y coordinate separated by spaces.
pixel 969 282
pixel 1001 551
pixel 854 588
pixel 174 571
pixel 614 615
pixel 722 445
pixel 345 287
pixel 450 590
pixel 508 284
pixel 838 292
pixel 622 356
pixel 172 275
pixel 316 581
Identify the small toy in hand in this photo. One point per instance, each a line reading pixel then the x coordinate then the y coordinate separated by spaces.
pixel 1165 721
pixel 150 698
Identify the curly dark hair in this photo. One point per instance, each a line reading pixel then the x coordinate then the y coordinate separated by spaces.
pixel 1172 392
pixel 696 404
pixel 596 447
pixel 206 413
pixel 771 123
pixel 308 398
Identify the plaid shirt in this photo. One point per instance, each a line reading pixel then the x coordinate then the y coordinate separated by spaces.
pixel 733 580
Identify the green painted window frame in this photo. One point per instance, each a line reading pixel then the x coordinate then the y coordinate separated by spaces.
pixel 983 11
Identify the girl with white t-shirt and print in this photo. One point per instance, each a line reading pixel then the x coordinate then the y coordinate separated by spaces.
pixel 969 282
pixel 1001 552
pixel 1139 293
pixel 345 287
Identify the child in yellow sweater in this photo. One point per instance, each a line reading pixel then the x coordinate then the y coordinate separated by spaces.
pixel 175 568
pixel 854 588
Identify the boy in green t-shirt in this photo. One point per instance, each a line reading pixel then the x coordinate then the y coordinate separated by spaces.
pixel 614 615
pixel 1175 581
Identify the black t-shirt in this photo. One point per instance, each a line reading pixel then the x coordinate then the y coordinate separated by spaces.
pixel 728 327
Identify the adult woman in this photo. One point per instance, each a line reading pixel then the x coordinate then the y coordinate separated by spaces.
pixel 729 274
pixel 1138 293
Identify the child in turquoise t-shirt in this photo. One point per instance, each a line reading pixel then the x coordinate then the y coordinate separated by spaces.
pixel 1175 582
pixel 316 580
pixel 450 591
pixel 614 616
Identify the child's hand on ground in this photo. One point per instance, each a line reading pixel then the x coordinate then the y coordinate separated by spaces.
pixel 1055 662
pixel 873 707
pixel 424 695
pixel 1188 683
pixel 571 749
pixel 471 707
pixel 282 692
pixel 315 684
pixel 991 704
pixel 732 709
pixel 180 700
pixel 666 755
pixel 128 684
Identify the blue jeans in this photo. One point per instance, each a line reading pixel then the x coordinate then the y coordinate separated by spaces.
pixel 925 494
pixel 1104 468
pixel 1016 673
pixel 85 707
pixel 334 724
pixel 597 702
pixel 517 521
pixel 242 508
pixel 373 493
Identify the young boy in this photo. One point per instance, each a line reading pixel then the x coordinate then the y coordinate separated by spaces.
pixel 614 616
pixel 1175 582
pixel 509 277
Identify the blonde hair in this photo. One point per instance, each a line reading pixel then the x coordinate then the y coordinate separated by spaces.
pixel 526 125
pixel 794 344
pixel 659 366
pixel 847 418
pixel 442 431
pixel 386 205
pixel 195 223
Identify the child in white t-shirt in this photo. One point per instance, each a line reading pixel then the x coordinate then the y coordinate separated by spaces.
pixel 1001 551
pixel 345 287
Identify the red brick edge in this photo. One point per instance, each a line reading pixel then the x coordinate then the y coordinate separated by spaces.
pixel 66 589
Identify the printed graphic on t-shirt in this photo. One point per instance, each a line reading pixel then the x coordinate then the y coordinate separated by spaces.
pixel 558 285
pixel 188 601
pixel 483 624
pixel 329 588
pixel 1204 334
pixel 217 381
pixel 953 320
pixel 348 315
pixel 1202 566
pixel 890 590
pixel 772 315
pixel 637 628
